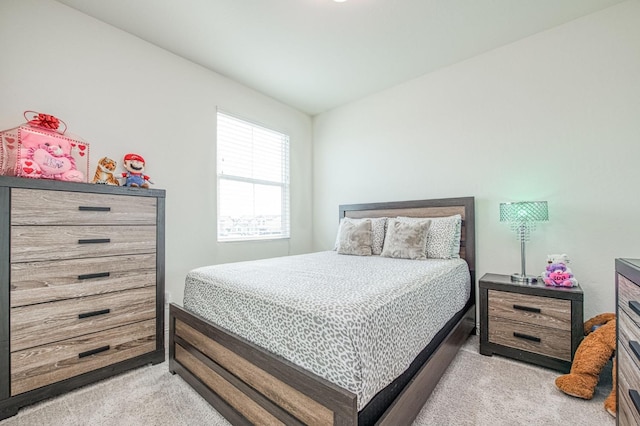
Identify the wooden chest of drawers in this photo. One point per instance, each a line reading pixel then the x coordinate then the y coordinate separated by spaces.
pixel 530 322
pixel 628 342
pixel 81 285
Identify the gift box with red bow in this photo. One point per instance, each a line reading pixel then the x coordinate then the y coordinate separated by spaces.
pixel 41 149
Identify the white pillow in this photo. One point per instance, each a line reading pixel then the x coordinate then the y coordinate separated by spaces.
pixel 443 241
pixel 406 240
pixel 355 238
pixel 377 228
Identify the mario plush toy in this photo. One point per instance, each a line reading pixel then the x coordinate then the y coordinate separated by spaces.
pixel 134 176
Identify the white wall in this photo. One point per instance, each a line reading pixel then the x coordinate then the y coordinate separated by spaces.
pixel 553 117
pixel 122 95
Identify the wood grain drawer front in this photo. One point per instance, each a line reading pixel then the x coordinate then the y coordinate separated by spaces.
pixel 542 311
pixel 36 243
pixel 546 341
pixel 35 325
pixel 629 387
pixel 43 207
pixel 38 282
pixel 629 298
pixel 43 365
pixel 629 337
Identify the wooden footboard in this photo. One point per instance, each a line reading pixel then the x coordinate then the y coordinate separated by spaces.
pixel 249 385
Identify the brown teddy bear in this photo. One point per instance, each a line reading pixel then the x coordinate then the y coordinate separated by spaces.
pixel 590 357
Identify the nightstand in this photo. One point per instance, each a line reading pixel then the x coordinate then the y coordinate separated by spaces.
pixel 534 323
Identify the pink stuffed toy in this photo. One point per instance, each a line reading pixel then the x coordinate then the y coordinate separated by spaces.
pixel 557 274
pixel 50 159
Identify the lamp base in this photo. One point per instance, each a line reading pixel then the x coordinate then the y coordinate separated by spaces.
pixel 524 278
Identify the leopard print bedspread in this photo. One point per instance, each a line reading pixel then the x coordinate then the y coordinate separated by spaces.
pixel 357 321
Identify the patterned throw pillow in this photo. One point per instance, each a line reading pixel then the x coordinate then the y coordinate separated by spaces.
pixel 355 238
pixel 406 240
pixel 443 241
pixel 378 225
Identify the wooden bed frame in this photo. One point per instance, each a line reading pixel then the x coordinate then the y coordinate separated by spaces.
pixel 249 385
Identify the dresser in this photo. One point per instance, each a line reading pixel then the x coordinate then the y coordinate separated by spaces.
pixel 628 342
pixel 530 322
pixel 81 285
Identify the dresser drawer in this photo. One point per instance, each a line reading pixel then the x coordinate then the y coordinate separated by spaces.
pixel 38 282
pixel 34 243
pixel 629 337
pixel 542 311
pixel 35 325
pixel 628 380
pixel 629 298
pixel 42 207
pixel 546 341
pixel 43 365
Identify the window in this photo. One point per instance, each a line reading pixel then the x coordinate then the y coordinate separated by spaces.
pixel 253 181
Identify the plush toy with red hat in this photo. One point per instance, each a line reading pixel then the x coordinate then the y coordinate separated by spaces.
pixel 134 176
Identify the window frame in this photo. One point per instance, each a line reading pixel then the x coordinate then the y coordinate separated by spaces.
pixel 284 184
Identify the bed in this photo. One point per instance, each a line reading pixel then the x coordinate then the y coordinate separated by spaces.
pixel 266 378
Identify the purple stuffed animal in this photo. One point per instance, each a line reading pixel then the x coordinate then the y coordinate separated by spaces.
pixel 558 275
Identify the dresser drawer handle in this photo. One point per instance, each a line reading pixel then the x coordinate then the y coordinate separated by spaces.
pixel 526 336
pixel 526 308
pixel 94 209
pixel 635 306
pixel 95 241
pixel 94 313
pixel 635 348
pixel 96 275
pixel 94 351
pixel 635 398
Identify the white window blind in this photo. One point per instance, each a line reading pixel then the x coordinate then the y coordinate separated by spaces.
pixel 253 181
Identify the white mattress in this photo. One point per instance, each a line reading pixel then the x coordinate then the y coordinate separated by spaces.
pixel 357 321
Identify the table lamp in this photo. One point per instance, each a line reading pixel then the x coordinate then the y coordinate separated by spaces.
pixel 522 217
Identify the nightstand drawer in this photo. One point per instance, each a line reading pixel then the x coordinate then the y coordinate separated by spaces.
pixel 43 365
pixel 541 340
pixel 41 207
pixel 629 298
pixel 39 282
pixel 35 243
pixel 542 311
pixel 628 380
pixel 36 325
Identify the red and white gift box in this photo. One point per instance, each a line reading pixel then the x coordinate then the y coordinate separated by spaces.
pixel 39 149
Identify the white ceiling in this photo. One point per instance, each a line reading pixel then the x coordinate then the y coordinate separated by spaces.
pixel 318 54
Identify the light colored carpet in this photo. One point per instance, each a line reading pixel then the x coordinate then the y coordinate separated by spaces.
pixel 475 390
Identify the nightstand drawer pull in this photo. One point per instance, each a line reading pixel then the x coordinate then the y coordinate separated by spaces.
pixel 94 351
pixel 526 308
pixel 526 336
pixel 635 348
pixel 94 313
pixel 635 398
pixel 96 275
pixel 95 241
pixel 94 209
pixel 635 306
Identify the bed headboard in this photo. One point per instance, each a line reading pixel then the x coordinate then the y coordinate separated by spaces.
pixel 465 206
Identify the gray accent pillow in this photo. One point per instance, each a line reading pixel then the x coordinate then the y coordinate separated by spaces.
pixel 406 240
pixel 378 225
pixel 355 238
